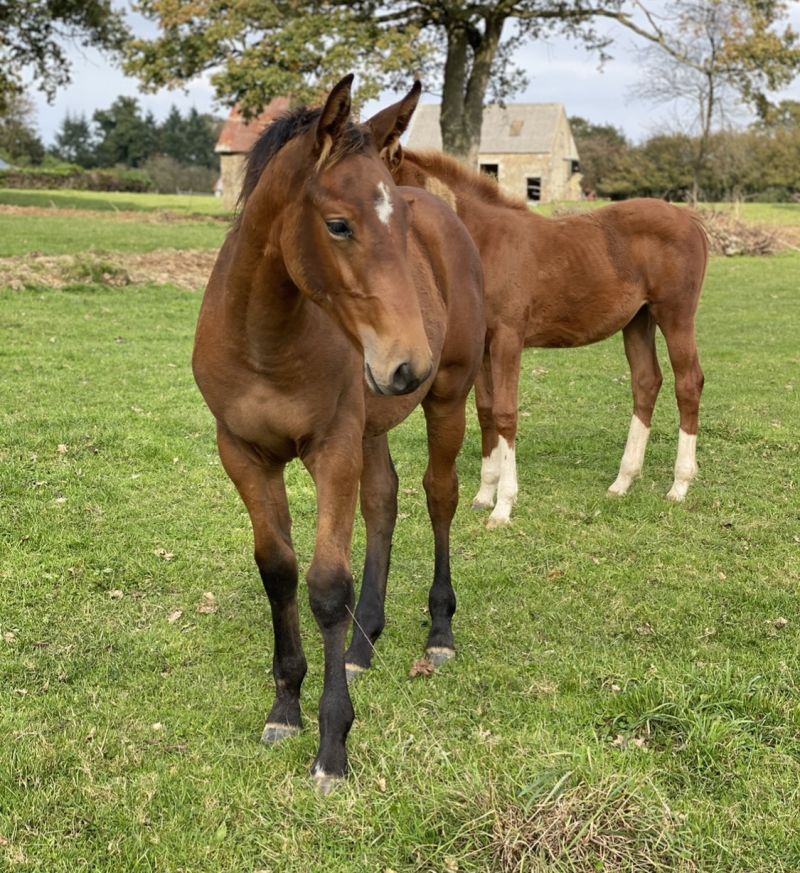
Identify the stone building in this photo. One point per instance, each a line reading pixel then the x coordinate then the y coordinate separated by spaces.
pixel 527 147
pixel 235 140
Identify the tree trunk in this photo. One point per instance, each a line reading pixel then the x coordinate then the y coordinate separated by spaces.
pixel 455 140
pixel 464 91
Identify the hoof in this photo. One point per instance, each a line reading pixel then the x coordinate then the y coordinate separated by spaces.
pixel 676 496
pixel 617 490
pixel 353 671
pixel 494 522
pixel 274 732
pixel 480 505
pixel 325 782
pixel 439 655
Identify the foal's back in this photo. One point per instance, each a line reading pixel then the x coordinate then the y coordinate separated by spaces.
pixel 589 274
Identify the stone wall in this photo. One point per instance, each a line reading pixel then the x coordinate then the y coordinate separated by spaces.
pixel 231 172
pixel 558 180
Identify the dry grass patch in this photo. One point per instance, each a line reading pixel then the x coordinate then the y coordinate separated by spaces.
pixel 184 269
pixel 613 824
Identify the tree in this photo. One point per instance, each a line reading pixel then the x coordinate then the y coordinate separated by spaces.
pixel 32 33
pixel 74 141
pixel 300 47
pixel 19 141
pixel 783 116
pixel 202 132
pixel 600 146
pixel 189 141
pixel 172 135
pixel 124 136
pixel 711 56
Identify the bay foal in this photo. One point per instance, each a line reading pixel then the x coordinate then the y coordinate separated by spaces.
pixel 332 280
pixel 567 282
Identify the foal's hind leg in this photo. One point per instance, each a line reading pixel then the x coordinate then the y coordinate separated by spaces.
pixel 262 490
pixel 640 349
pixel 490 450
pixel 679 334
pixel 445 421
pixel 506 354
pixel 379 508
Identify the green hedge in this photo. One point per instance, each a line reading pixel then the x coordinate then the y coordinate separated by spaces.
pixel 77 179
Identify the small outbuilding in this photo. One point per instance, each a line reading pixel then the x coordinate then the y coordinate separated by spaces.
pixel 527 147
pixel 235 140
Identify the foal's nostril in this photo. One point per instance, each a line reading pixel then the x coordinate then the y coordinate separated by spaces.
pixel 403 380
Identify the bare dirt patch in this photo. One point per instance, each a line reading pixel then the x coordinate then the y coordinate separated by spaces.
pixel 160 216
pixel 184 269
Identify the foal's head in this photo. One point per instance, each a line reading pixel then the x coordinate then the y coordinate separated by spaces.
pixel 341 227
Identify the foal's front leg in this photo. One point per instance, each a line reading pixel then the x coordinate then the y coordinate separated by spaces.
pixel 335 467
pixel 261 487
pixel 379 509
pixel 445 421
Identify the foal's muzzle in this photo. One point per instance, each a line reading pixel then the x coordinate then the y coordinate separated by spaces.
pixel 403 380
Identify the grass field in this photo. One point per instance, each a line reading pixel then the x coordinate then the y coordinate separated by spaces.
pixel 114 201
pixel 780 214
pixel 626 692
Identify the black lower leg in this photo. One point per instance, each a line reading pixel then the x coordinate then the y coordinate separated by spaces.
pixel 379 508
pixel 369 615
pixel 441 601
pixel 288 662
pixel 331 597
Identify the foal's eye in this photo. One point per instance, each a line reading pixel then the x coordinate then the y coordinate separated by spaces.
pixel 339 228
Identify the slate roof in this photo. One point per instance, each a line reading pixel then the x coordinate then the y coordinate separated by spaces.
pixel 519 128
pixel 238 135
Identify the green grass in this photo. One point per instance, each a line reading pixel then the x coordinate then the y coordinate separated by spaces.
pixel 57 235
pixel 622 698
pixel 110 201
pixel 758 213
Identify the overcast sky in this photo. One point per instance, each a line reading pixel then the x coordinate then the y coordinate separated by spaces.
pixel 559 72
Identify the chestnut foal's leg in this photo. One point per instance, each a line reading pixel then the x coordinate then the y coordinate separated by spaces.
pixel 262 490
pixel 445 421
pixel 640 349
pixel 490 451
pixel 506 355
pixel 335 465
pixel 679 334
pixel 379 508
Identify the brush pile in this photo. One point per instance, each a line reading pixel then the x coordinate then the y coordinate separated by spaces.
pixel 728 235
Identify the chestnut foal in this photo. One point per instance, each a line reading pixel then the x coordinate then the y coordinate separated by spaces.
pixel 567 282
pixel 337 304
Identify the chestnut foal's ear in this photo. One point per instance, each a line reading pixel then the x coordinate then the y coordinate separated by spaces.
pixel 334 116
pixel 389 124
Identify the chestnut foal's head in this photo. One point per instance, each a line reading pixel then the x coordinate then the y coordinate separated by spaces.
pixel 343 230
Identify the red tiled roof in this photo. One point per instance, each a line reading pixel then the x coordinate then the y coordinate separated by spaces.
pixel 238 135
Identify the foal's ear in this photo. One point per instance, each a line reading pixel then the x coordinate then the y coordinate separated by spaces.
pixel 334 116
pixel 389 124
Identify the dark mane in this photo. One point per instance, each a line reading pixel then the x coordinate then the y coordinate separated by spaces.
pixel 284 128
pixel 457 176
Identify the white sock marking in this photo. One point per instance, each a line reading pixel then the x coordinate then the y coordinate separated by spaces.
pixel 630 467
pixel 383 203
pixel 490 476
pixel 506 487
pixel 685 465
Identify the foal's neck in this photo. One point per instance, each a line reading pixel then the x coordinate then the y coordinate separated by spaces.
pixel 262 303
